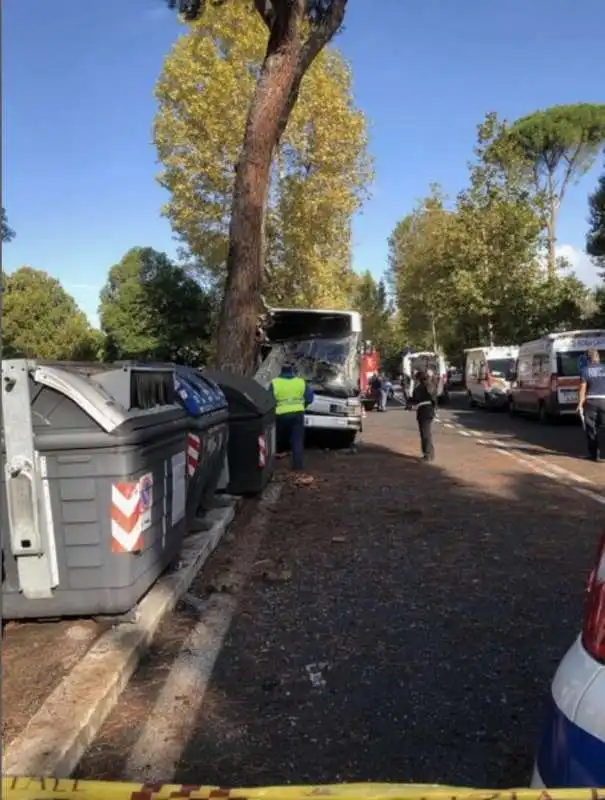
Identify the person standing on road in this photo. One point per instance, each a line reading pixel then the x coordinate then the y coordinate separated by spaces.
pixel 591 402
pixel 424 400
pixel 292 395
pixel 382 393
pixel 376 385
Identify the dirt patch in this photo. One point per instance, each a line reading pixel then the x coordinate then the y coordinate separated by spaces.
pixel 36 656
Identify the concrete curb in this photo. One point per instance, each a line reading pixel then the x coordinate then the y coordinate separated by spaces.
pixel 57 736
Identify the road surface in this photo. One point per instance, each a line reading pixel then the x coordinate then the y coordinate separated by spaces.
pixel 396 621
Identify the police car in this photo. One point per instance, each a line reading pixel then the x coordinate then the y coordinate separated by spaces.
pixel 571 752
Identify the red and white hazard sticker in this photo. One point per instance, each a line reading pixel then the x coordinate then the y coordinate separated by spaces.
pixel 262 451
pixel 193 453
pixel 131 503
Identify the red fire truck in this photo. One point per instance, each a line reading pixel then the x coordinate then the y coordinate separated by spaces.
pixel 369 366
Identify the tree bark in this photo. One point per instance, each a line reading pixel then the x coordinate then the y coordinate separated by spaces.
pixel 551 235
pixel 287 59
pixel 245 259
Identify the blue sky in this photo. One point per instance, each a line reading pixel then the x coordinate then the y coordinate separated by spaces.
pixel 78 178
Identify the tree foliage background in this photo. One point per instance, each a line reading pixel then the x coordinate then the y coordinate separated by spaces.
pixel 473 270
pixel 595 240
pixel 151 309
pixel 321 167
pixel 41 320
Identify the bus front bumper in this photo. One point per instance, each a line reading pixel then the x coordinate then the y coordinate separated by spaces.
pixel 332 422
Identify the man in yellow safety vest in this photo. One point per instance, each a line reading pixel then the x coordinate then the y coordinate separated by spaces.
pixel 292 395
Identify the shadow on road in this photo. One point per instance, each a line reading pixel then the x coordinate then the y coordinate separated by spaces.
pixel 564 437
pixel 431 611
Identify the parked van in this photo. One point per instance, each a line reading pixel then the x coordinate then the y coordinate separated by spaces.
pixel 488 372
pixel 548 373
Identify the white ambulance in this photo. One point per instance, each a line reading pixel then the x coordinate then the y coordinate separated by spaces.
pixel 487 375
pixel 547 379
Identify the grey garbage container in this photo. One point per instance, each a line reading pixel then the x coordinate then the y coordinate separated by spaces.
pixel 206 449
pixel 95 485
pixel 251 432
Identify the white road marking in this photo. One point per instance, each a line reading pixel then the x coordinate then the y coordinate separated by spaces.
pixel 567 473
pixel 162 740
pixel 565 477
pixel 544 470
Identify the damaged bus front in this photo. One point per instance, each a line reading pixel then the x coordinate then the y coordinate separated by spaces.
pixel 324 347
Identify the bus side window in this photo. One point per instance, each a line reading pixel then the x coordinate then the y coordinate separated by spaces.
pixel 482 371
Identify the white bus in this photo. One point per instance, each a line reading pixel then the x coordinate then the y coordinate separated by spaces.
pixel 324 346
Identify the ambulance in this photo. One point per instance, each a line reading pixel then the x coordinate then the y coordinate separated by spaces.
pixel 547 379
pixel 487 374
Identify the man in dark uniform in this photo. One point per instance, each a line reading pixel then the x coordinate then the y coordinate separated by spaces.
pixel 424 400
pixel 591 402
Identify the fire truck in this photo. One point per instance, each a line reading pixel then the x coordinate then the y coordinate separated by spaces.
pixel 369 366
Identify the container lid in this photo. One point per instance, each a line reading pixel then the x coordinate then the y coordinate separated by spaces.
pixel 110 397
pixel 196 395
pixel 243 394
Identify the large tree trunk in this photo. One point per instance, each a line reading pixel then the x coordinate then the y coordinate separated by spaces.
pixel 245 260
pixel 286 62
pixel 551 235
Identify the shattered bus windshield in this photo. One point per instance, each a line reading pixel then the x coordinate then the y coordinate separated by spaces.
pixel 330 366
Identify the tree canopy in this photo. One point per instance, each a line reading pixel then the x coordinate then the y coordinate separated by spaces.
pixel 8 234
pixel 595 240
pixel 552 148
pixel 320 168
pixel 41 320
pixel 380 323
pixel 471 272
pixel 150 308
pixel 297 32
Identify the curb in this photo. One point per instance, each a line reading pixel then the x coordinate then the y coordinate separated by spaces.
pixel 60 732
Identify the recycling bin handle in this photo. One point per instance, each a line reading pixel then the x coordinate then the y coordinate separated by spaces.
pixel 22 502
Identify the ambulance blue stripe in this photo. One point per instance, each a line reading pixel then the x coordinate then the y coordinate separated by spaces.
pixel 568 755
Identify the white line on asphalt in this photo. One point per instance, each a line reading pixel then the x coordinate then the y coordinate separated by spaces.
pixel 464 433
pixel 156 753
pixel 544 470
pixel 567 473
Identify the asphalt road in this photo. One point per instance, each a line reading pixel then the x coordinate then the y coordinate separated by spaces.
pixel 396 621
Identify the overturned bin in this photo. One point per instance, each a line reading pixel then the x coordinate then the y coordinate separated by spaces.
pixel 207 448
pixel 95 484
pixel 251 431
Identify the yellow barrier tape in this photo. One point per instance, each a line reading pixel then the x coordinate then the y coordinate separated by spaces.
pixel 69 789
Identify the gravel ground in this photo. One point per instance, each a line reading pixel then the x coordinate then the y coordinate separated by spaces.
pixel 406 630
